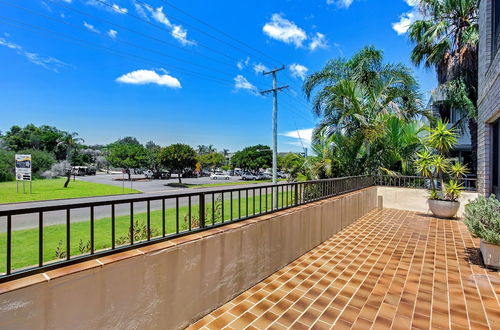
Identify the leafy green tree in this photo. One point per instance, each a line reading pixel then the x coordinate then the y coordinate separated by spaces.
pixel 447 38
pixel 212 160
pixel 253 158
pixel 178 157
pixel 292 164
pixel 127 155
pixel 153 156
pixel 7 165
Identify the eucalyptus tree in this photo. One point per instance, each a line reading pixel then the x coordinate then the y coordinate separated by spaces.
pixel 446 39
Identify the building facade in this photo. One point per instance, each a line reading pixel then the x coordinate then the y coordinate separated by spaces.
pixel 489 98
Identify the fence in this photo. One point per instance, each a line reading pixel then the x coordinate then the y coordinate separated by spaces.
pixel 37 239
pixel 420 182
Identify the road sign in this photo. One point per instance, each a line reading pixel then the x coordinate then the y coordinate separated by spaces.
pixel 23 167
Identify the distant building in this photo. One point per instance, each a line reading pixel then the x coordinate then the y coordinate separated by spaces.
pixel 489 98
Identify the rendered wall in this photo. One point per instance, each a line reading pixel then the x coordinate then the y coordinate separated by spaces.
pixel 166 286
pixel 415 199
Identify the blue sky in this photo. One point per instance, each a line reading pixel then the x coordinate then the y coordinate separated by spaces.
pixel 113 68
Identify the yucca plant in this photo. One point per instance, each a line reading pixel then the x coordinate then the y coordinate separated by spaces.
pixel 434 164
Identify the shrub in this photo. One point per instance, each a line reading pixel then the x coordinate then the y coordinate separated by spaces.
pixel 482 217
pixel 6 165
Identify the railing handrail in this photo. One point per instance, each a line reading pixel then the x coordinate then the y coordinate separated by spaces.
pixel 126 199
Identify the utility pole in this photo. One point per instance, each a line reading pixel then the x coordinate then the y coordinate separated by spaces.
pixel 275 91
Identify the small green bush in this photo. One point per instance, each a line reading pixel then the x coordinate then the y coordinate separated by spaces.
pixel 7 165
pixel 482 217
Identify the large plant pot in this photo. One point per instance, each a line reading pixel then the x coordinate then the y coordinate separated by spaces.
pixel 443 209
pixel 491 254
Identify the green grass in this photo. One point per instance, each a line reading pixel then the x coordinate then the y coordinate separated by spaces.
pixel 25 242
pixel 53 189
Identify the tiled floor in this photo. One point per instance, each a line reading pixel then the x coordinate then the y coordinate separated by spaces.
pixel 391 268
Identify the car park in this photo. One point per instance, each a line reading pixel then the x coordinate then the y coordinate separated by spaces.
pixel 264 176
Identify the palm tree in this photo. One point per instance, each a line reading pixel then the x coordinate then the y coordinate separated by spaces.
pixel 447 39
pixel 350 94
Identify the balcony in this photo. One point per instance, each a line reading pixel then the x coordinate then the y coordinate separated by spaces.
pixel 329 256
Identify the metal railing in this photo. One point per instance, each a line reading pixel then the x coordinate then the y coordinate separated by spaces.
pixel 36 239
pixel 468 184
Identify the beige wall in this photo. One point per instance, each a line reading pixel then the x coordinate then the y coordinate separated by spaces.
pixel 170 287
pixel 415 199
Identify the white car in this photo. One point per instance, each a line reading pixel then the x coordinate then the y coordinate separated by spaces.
pixel 219 176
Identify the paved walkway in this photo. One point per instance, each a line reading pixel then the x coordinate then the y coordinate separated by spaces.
pixel 390 269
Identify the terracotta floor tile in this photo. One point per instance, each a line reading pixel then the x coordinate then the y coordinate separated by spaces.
pixel 391 268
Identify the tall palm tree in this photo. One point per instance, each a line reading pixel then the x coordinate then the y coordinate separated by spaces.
pixel 447 39
pixel 347 90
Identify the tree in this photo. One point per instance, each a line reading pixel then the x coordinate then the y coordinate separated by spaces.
pixel 7 165
pixel 127 155
pixel 153 156
pixel 178 157
pixel 253 158
pixel 293 164
pixel 447 39
pixel 41 161
pixel 347 92
pixel 212 160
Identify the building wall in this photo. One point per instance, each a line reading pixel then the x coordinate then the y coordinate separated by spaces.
pixel 489 94
pixel 164 286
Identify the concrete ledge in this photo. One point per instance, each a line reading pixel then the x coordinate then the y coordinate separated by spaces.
pixel 415 199
pixel 169 285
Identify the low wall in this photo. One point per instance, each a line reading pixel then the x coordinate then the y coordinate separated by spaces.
pixel 172 284
pixel 415 199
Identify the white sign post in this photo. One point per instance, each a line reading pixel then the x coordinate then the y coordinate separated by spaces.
pixel 23 170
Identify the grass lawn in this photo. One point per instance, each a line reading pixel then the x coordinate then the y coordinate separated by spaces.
pixel 25 242
pixel 53 189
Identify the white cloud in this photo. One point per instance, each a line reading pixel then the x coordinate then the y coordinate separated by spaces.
pixel 340 3
pixel 90 27
pixel 178 32
pixel 112 33
pixel 243 63
pixel 301 136
pixel 287 31
pixel 408 18
pixel 49 63
pixel 259 68
pixel 240 82
pixel 298 70
pixel 318 41
pixel 284 30
pixel 119 10
pixel 144 77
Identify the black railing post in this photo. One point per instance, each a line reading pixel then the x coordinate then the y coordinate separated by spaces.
pixel 202 210
pixel 296 194
pixel 9 244
pixel 40 239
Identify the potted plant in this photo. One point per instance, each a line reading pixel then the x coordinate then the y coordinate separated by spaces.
pixel 482 217
pixel 444 174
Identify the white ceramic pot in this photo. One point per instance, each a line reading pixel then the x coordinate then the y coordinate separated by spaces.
pixel 443 209
pixel 491 254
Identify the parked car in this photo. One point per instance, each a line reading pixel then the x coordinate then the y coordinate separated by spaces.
pixel 281 175
pixel 83 170
pixel 156 175
pixel 264 176
pixel 190 174
pixel 248 176
pixel 219 176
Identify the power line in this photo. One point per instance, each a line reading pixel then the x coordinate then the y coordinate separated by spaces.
pixel 53 34
pixel 33 12
pixel 219 30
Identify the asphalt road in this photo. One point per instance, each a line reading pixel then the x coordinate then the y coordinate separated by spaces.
pixel 30 220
